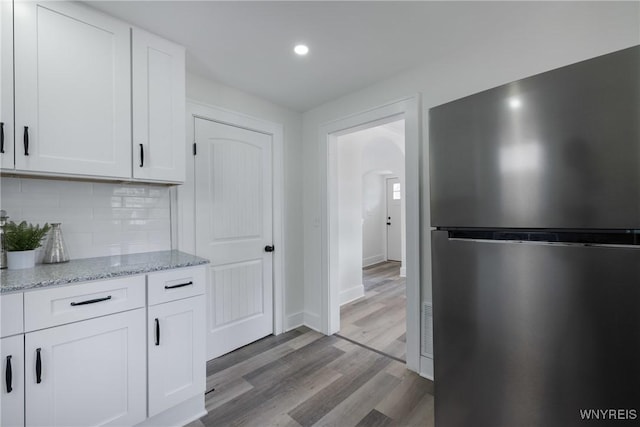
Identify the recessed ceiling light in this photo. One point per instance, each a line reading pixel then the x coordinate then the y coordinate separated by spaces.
pixel 301 49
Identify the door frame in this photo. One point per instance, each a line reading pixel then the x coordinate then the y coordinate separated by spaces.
pixel 328 133
pixel 184 222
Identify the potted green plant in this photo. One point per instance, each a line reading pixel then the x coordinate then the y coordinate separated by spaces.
pixel 21 241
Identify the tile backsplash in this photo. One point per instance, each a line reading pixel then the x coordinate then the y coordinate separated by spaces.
pixel 98 219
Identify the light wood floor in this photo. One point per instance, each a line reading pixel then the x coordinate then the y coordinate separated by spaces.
pixel 379 319
pixel 304 378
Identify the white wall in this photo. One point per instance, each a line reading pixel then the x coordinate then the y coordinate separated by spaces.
pixel 361 153
pixel 98 219
pixel 373 218
pixel 218 95
pixel 596 28
pixel 349 218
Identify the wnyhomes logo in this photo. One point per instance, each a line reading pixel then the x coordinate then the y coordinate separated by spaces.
pixel 608 414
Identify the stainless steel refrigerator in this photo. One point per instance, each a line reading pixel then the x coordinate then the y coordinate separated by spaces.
pixel 535 200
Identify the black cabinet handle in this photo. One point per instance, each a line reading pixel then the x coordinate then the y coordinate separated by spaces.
pixel 25 140
pixel 178 286
pixel 38 366
pixel 8 375
pixel 141 155
pixel 91 301
pixel 2 137
pixel 157 331
pixel 269 248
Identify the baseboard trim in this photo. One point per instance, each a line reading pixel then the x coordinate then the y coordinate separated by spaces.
pixel 351 294
pixel 376 259
pixel 294 320
pixel 313 321
pixel 426 367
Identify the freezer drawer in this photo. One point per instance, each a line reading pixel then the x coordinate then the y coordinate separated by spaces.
pixel 557 150
pixel 529 334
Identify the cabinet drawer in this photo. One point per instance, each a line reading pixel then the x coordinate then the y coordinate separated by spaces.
pixel 51 307
pixel 176 284
pixel 12 318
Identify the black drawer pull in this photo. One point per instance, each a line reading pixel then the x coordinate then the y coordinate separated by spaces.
pixel 91 301
pixel 181 285
pixel 25 140
pixel 38 366
pixel 157 331
pixel 141 155
pixel 2 137
pixel 8 375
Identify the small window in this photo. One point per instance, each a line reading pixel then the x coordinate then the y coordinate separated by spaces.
pixel 396 191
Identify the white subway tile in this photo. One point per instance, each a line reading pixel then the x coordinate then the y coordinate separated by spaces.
pixel 98 219
pixel 40 186
pixel 39 201
pixel 106 201
pixel 159 213
pixel 147 224
pixel 159 238
pixel 57 214
pixel 158 192
pixel 79 189
pixel 9 185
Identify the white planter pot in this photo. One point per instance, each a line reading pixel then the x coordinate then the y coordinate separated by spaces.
pixel 21 259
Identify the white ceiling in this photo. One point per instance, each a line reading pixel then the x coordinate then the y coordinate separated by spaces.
pixel 248 45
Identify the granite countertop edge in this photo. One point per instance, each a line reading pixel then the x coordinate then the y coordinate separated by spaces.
pixel 92 269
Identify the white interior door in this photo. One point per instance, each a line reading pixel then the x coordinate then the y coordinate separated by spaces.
pixel 234 211
pixel 394 220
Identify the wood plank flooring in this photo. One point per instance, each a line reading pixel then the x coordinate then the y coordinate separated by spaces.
pixel 379 319
pixel 304 378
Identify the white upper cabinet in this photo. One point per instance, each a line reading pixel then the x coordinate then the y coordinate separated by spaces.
pixel 158 108
pixel 6 85
pixel 72 90
pixel 76 106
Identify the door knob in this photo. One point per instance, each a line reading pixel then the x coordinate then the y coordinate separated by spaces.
pixel 269 248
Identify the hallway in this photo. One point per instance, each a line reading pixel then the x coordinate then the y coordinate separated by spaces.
pixel 378 320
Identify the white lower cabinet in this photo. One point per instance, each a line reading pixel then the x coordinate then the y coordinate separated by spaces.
pixel 12 397
pixel 177 366
pixel 100 354
pixel 89 373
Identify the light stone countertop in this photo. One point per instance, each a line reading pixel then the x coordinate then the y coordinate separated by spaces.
pixel 87 269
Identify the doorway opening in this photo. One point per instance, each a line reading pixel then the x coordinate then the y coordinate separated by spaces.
pixel 408 109
pixel 371 227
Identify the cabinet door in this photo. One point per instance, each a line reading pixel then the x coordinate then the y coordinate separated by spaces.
pixel 158 108
pixel 11 314
pixel 177 368
pixel 89 373
pixel 12 396
pixel 6 85
pixel 72 90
